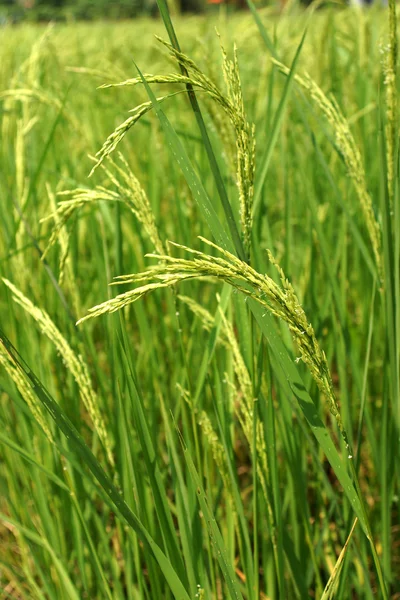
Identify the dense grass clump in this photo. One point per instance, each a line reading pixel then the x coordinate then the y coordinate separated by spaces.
pixel 223 420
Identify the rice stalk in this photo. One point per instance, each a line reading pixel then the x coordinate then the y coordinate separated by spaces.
pixel 391 100
pixel 281 301
pixel 119 133
pixel 351 155
pixel 74 363
pixel 25 389
pixel 216 447
pixel 233 105
pixel 22 188
pixel 245 145
pixel 128 192
pixel 244 409
pixel 331 586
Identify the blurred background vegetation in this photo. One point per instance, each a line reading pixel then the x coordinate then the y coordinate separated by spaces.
pixel 66 10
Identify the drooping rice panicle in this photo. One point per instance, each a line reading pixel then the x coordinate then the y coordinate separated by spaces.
pixel 232 104
pixel 216 447
pixel 280 301
pixel 391 100
pixel 22 189
pixel 136 199
pixel 66 208
pixel 119 133
pixel 245 145
pixel 197 309
pixel 74 363
pixel 351 155
pixel 24 387
pixel 129 192
pixel 63 236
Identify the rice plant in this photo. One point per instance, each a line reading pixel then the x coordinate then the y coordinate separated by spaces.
pixel 199 348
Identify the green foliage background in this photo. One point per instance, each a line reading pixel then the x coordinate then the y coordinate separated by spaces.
pixel 163 518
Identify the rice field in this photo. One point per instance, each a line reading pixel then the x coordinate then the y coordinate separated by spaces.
pixel 200 341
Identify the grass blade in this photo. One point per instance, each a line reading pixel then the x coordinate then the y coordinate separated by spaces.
pixel 87 457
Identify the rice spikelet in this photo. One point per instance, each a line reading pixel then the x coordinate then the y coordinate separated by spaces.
pixel 391 100
pixel 351 155
pixel 231 103
pixel 129 192
pixel 245 145
pixel 75 364
pixel 24 387
pixel 281 301
pixel 63 235
pixel 119 133
pixel 217 448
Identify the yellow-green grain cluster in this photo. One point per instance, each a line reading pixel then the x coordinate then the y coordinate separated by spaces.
pixel 24 387
pixel 128 191
pixel 74 363
pixel 231 103
pixel 351 154
pixel 280 301
pixel 391 101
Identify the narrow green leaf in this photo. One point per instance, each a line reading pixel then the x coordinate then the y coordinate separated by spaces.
pixel 153 470
pixel 88 458
pixel 289 377
pixel 213 530
pixel 330 588
pixel 179 153
pixel 276 126
pixel 230 219
pixel 263 32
